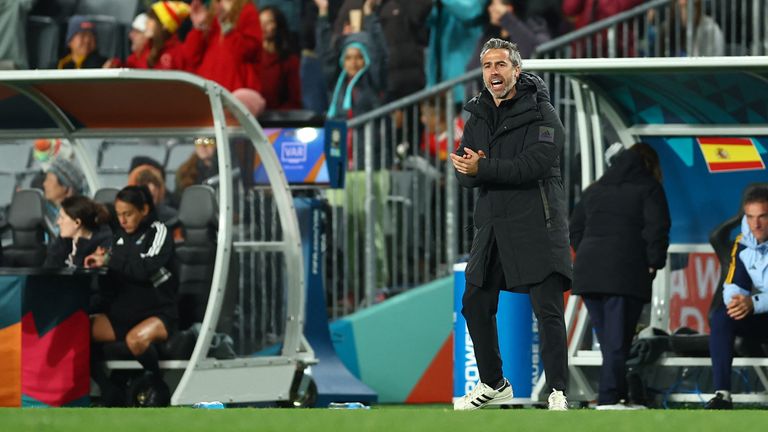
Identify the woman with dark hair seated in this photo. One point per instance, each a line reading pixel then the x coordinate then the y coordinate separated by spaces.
pixel 83 227
pixel 141 309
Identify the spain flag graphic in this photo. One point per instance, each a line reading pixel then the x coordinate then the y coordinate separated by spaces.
pixel 730 154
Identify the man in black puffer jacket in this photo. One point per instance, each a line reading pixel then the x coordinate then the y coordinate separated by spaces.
pixel 511 151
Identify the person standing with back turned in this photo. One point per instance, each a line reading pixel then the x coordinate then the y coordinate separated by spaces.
pixel 511 151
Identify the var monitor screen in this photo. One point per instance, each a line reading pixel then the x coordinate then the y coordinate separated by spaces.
pixel 301 152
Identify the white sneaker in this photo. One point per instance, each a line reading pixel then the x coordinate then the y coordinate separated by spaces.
pixel 483 395
pixel 557 401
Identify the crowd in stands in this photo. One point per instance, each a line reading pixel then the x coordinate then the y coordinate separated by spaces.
pixel 287 51
pixel 340 58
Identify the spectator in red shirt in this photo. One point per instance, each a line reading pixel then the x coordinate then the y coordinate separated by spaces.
pixel 434 142
pixel 585 12
pixel 225 43
pixel 138 41
pixel 163 49
pixel 280 82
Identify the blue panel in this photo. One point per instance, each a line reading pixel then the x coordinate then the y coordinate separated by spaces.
pixel 518 343
pixel 699 200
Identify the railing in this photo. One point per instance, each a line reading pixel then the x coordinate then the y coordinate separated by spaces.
pixel 661 28
pixel 418 221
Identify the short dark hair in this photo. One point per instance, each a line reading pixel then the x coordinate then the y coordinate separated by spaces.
pixel 757 192
pixel 137 196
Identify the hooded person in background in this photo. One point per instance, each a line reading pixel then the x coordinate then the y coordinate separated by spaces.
pixel 362 58
pixel 62 180
pixel 620 232
pixel 81 41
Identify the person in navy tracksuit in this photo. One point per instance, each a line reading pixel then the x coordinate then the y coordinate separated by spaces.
pixel 744 310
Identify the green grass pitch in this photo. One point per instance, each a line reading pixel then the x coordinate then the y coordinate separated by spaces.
pixel 385 418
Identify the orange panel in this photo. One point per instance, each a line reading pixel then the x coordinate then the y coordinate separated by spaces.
pixel 132 103
pixel 10 366
pixel 436 384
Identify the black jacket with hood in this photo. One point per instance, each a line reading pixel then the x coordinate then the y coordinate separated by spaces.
pixel 365 91
pixel 141 277
pixel 619 230
pixel 521 206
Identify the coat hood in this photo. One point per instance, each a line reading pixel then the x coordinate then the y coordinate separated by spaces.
pixel 361 41
pixel 627 166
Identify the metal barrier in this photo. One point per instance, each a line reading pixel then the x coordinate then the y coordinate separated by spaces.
pixel 419 221
pixel 660 28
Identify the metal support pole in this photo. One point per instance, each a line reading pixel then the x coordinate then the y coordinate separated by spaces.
pixel 370 216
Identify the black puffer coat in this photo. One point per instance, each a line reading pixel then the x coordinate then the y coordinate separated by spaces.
pixel 619 230
pixel 522 199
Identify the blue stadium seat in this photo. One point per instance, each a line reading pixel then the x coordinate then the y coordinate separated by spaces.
pixel 43 35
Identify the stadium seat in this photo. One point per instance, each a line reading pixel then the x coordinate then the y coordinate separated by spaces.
pixel 67 7
pixel 109 35
pixel 7 186
pixel 198 213
pixel 116 179
pixel 178 154
pixel 123 10
pixel 16 156
pixel 117 155
pixel 106 195
pixel 43 35
pixel 26 218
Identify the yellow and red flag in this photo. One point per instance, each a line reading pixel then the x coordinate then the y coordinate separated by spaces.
pixel 730 154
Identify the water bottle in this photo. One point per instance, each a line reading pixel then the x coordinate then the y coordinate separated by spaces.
pixel 348 405
pixel 209 405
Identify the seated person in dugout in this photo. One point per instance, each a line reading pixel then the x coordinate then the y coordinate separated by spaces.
pixel 140 287
pixel 83 227
pixel 744 311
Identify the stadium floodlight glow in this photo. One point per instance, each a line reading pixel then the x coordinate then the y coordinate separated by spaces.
pixel 306 135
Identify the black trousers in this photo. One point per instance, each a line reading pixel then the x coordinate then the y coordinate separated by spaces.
pixel 614 319
pixel 479 306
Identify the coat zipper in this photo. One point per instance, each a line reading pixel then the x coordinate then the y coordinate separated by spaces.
pixel 545 202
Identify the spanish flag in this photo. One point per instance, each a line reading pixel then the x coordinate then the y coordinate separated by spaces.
pixel 730 154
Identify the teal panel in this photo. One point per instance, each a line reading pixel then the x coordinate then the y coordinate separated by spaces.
pixel 30 402
pixel 10 299
pixel 683 148
pixel 398 339
pixel 343 338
